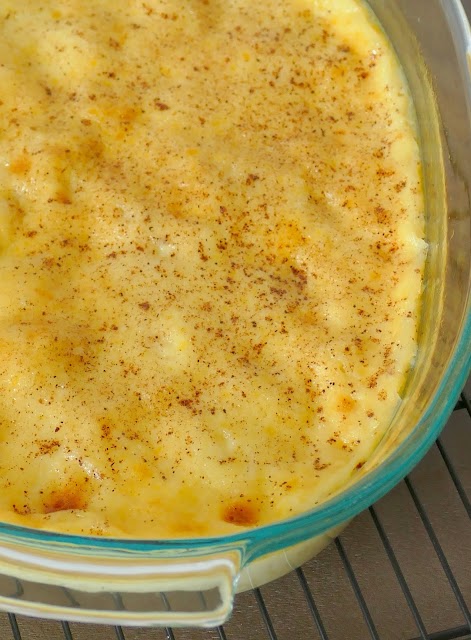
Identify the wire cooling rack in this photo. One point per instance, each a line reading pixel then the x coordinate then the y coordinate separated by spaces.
pixel 400 571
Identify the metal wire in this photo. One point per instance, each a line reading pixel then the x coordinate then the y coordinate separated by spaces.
pixel 456 633
pixel 400 576
pixel 466 401
pixel 66 630
pixel 222 633
pixel 463 403
pixel 71 598
pixel 14 626
pixel 119 633
pixel 357 591
pixel 265 614
pixel 312 605
pixel 454 476
pixel 439 551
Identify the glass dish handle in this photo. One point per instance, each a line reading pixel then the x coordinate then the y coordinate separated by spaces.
pixel 196 591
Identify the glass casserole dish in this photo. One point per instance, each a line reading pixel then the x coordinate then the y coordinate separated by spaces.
pixel 192 582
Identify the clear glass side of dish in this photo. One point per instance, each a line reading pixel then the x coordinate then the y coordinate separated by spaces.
pixel 192 582
pixel 439 52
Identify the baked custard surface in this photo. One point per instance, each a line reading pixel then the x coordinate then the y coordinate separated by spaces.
pixel 211 259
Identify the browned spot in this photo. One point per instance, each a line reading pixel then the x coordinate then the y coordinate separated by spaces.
pixel 300 274
pixel 114 44
pixel 145 306
pixel 47 446
pixel 346 403
pixel 292 306
pixel 132 435
pixel 20 166
pixel 161 106
pixel 48 263
pixel 63 198
pixel 384 173
pixel 202 253
pixel 359 465
pixel 21 510
pixel 277 292
pixel 105 430
pixel 251 178
pixel 382 216
pixel 373 382
pixel 259 347
pixel 72 495
pixel 128 115
pixel 241 513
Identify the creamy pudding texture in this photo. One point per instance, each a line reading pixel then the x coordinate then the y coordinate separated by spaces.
pixel 211 259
